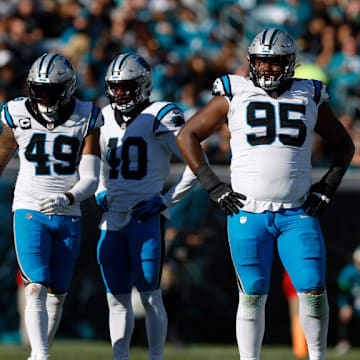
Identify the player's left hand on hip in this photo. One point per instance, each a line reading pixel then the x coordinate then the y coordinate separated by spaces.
pixel 318 199
pixel 54 204
pixel 145 209
pixel 228 200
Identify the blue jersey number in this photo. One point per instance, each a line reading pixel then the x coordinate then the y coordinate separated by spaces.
pixel 35 152
pixel 269 121
pixel 124 162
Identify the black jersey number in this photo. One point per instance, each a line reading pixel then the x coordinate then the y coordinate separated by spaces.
pixel 269 120
pixel 124 162
pixel 65 148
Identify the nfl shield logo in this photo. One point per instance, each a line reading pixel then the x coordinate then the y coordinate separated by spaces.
pixel 50 126
pixel 243 219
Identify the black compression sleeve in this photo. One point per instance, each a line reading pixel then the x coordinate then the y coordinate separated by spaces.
pixel 208 179
pixel 333 177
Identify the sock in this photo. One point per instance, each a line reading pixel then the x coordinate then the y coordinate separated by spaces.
pixel 156 322
pixel 250 325
pixel 314 318
pixel 54 305
pixel 121 324
pixel 36 320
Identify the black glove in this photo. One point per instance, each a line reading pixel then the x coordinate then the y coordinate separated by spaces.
pixel 221 193
pixel 227 199
pixel 145 209
pixel 318 199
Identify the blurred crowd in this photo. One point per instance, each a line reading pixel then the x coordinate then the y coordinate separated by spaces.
pixel 188 43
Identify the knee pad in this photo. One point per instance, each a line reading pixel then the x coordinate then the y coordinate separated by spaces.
pixel 307 280
pixel 251 306
pixel 255 287
pixel 259 287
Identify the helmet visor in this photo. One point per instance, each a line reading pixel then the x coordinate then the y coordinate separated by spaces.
pixel 122 91
pixel 46 94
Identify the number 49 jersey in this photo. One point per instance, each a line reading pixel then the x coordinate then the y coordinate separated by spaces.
pixel 135 157
pixel 271 140
pixel 49 153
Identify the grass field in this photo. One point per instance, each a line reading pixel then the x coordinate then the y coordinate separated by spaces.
pixel 81 350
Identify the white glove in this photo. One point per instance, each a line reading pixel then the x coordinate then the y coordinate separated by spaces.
pixel 54 204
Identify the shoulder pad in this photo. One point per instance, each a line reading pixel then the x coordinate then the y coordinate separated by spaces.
pixel 12 106
pixel 320 92
pixel 222 86
pixel 168 118
pixel 6 117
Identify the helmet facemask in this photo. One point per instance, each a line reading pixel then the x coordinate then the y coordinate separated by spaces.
pixel 124 95
pixel 269 72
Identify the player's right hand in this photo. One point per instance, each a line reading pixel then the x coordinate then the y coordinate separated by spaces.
pixel 101 201
pixel 228 200
pixel 54 204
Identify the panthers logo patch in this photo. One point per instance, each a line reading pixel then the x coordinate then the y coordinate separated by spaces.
pixel 178 120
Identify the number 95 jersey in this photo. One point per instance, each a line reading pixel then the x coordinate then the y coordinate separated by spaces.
pixel 49 152
pixel 271 140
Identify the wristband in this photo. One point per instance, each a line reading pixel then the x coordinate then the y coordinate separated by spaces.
pixel 208 179
pixel 70 196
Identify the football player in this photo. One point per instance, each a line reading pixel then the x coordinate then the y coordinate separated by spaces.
pixel 57 139
pixel 271 201
pixel 137 143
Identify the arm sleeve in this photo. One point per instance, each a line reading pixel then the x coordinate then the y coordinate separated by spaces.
pixel 102 177
pixel 89 168
pixel 186 182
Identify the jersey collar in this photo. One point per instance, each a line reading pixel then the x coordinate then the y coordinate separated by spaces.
pixel 64 114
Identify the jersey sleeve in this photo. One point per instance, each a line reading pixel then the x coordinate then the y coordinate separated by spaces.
pixel 168 118
pixel 96 119
pixel 6 117
pixel 222 86
pixel 321 94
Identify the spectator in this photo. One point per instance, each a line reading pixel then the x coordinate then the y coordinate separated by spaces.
pixel 349 304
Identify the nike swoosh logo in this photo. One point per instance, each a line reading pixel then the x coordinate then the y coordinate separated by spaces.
pixel 75 219
pixel 304 216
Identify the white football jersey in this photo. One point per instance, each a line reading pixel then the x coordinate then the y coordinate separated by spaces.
pixel 271 140
pixel 135 157
pixel 49 153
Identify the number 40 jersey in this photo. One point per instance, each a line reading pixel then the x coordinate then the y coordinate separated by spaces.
pixel 49 152
pixel 136 155
pixel 271 140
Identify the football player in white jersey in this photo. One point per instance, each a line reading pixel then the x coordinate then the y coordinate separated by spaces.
pixel 57 139
pixel 271 201
pixel 137 142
